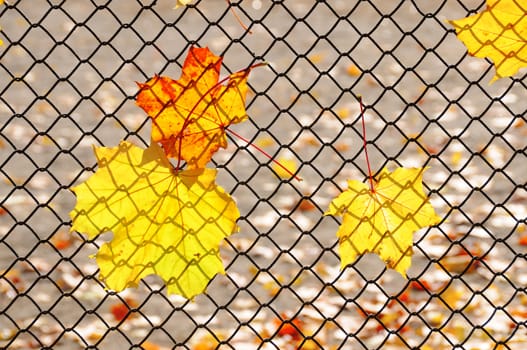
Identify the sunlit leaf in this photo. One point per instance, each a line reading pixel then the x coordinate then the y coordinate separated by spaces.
pixel 180 3
pixel 164 222
pixel 382 220
pixel 190 114
pixel 499 33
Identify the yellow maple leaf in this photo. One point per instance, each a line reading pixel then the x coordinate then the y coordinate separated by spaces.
pixel 164 222
pixel 384 219
pixel 499 33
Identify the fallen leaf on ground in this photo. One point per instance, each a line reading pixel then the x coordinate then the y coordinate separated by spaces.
pixel 148 345
pixel 383 219
pixel 452 296
pixel 420 285
pixel 164 222
pixel 353 70
pixel 284 167
pixel 180 3
pixel 316 58
pixel 499 33
pixel 208 342
pixel 306 204
pixel 121 309
pixel 61 240
pixel 343 112
pixel 265 141
pixel 290 328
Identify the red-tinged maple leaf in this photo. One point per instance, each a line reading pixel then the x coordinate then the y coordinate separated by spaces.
pixel 190 114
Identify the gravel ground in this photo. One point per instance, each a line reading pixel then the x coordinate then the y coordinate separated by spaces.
pixel 67 81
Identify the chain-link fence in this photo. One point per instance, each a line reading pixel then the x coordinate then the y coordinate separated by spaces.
pixel 67 82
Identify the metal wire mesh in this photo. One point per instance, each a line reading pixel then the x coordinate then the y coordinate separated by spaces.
pixel 68 72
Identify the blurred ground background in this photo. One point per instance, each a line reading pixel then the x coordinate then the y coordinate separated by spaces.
pixel 67 80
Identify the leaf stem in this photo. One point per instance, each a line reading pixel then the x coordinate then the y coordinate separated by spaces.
pixel 208 92
pixel 364 145
pixel 267 155
pixel 238 17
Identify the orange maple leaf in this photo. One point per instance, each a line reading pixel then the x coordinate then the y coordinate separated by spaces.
pixel 190 114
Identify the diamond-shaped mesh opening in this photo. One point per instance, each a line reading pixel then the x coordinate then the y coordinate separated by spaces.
pixel 69 71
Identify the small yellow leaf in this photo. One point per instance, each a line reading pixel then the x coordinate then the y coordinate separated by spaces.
pixel 164 222
pixel 180 3
pixel 353 70
pixel 382 220
pixel 343 113
pixel 499 33
pixel 316 58
pixel 309 344
pixel 265 141
pixel 452 296
pixel 456 158
pixel 287 163
pixel 208 342
pixel 150 346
